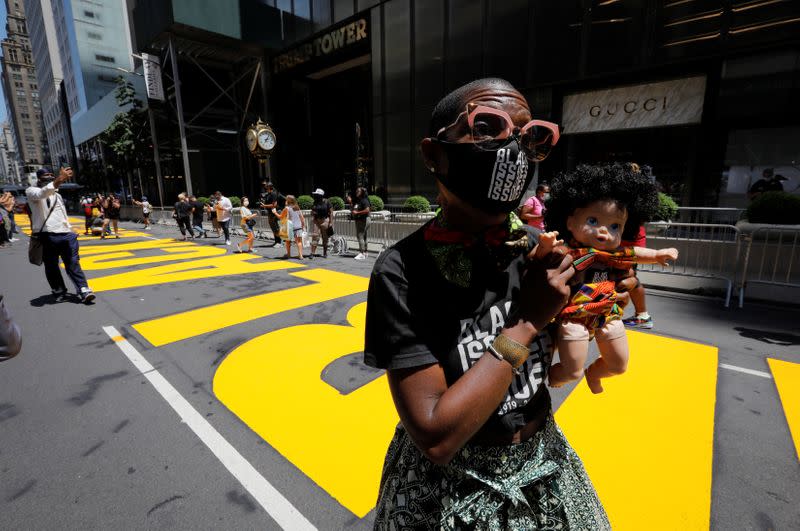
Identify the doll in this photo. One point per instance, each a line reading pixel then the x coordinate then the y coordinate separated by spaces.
pixel 594 208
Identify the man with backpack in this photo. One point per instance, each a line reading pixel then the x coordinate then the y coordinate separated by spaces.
pixel 87 204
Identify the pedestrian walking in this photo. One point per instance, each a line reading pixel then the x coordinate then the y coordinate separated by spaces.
pixel 197 216
pixel 322 227
pixel 268 201
pixel 87 205
pixel 477 446
pixel 182 212
pixel 50 220
pixel 146 208
pixel 224 208
pixel 533 210
pixel 4 224
pixel 211 211
pixel 7 202
pixel 111 210
pixel 292 222
pixel 248 222
pixel 360 212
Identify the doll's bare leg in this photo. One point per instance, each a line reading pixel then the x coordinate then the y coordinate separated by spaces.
pixel 573 348
pixel 613 358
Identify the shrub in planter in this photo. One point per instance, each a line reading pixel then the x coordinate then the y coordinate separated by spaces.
pixel 667 208
pixel 775 208
pixel 376 202
pixel 203 199
pixel 337 203
pixel 417 203
pixel 235 201
pixel 305 202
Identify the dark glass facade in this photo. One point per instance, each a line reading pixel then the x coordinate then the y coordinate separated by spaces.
pixel 349 109
pixel 748 52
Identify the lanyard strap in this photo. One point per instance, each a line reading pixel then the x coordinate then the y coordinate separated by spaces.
pixel 48 215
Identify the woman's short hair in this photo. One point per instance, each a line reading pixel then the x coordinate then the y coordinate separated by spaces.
pixel 542 188
pixel 453 104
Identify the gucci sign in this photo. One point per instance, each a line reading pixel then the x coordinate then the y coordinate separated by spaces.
pixel 659 104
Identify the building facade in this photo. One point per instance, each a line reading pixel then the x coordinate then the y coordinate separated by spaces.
pixel 10 171
pixel 22 89
pixel 704 92
pixel 46 57
pixel 93 41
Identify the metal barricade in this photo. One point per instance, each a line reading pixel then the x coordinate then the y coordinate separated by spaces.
pixel 705 251
pixel 771 256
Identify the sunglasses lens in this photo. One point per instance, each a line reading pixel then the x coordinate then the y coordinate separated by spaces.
pixel 538 141
pixel 488 127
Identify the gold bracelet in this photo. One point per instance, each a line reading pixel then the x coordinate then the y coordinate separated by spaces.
pixel 509 350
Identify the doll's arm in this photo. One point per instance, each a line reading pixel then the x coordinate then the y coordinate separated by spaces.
pixel 547 242
pixel 655 256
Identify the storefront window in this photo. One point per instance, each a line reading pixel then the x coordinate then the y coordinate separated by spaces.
pixel 752 151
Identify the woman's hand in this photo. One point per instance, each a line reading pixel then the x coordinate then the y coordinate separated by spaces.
pixel 544 290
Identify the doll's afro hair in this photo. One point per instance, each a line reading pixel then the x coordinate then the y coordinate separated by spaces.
pixel 588 183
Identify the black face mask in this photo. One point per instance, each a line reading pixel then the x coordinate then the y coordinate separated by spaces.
pixel 492 181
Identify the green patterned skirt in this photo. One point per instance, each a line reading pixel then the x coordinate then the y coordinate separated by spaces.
pixel 539 484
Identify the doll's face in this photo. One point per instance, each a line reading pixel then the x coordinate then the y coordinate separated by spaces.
pixel 598 224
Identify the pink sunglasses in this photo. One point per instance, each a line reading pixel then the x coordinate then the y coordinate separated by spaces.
pixel 490 128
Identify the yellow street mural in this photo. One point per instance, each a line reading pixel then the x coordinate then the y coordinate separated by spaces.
pixel 326 285
pixel 647 472
pixel 115 247
pixel 633 437
pixel 230 264
pixel 339 441
pixel 111 260
pixel 787 380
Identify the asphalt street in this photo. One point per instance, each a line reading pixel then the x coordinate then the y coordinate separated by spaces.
pixel 206 390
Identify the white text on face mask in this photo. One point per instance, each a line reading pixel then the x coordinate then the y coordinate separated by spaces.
pixel 508 176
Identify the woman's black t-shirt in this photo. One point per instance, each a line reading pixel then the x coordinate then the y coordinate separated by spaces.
pixel 182 209
pixel 321 210
pixel 415 317
pixel 362 203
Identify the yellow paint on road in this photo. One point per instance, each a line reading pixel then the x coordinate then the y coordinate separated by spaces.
pixel 117 339
pixel 327 285
pixel 272 383
pixel 647 441
pixel 232 264
pixel 787 380
pixel 112 260
pixel 87 250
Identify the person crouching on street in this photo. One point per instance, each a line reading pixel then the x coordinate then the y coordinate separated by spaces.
pixel 49 219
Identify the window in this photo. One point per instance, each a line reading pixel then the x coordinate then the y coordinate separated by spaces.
pixel 35 94
pixel 88 14
pixel 105 58
pixel 21 93
pixel 107 79
pixel 19 84
pixel 95 36
pixel 33 86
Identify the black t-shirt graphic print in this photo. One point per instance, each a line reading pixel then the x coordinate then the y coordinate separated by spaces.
pixel 415 317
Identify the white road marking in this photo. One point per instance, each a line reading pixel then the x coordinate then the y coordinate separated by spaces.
pixel 278 507
pixel 745 371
